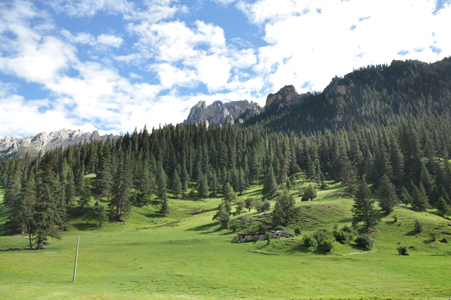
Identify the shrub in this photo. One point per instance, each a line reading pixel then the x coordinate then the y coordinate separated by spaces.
pixel 343 236
pixel 364 242
pixel 297 231
pixel 327 245
pixel 402 250
pixel 280 227
pixel 395 218
pixel 321 235
pixel 308 241
pixel 433 235
pixel 418 226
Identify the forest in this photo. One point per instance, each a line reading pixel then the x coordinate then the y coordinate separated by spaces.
pixel 390 132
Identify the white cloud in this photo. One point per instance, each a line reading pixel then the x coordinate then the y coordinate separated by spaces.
pixel 86 38
pixel 88 8
pixel 315 40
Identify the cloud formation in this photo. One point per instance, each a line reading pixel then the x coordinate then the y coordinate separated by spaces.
pixel 117 65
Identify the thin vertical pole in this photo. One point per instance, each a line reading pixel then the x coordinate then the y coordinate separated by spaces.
pixel 76 258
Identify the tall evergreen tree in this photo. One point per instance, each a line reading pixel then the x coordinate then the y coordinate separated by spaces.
pixel 388 195
pixel 176 184
pixel 363 208
pixel 45 215
pixel 120 204
pixel 420 200
pixel 104 178
pixel 270 185
pixel 162 192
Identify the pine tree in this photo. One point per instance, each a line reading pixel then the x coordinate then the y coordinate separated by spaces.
pixel 162 192
pixel 23 210
pixel 146 183
pixel 69 187
pixel 388 195
pixel 442 207
pixel 214 184
pixel 85 197
pixel 164 207
pixel 270 186
pixel 120 204
pixel 229 197
pixel 223 215
pixel 254 165
pixel 45 211
pixel 420 201
pixel 99 213
pixel 176 184
pixel 104 178
pixel 202 190
pixel 363 208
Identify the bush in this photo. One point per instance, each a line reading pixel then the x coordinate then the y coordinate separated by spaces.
pixel 402 250
pixel 326 245
pixel 418 226
pixel 280 227
pixel 364 242
pixel 297 231
pixel 308 241
pixel 321 235
pixel 343 236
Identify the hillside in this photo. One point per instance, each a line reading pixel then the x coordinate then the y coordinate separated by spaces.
pixel 378 95
pixel 359 170
pixel 188 255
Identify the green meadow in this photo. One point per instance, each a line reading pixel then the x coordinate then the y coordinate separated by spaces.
pixel 187 256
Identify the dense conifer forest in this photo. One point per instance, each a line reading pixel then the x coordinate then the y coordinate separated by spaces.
pixel 390 130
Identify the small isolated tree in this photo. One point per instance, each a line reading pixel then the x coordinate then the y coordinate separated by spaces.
pixel 239 206
pixel 388 195
pixel 99 213
pixel 402 250
pixel 284 210
pixel 309 193
pixel 363 209
pixel 249 202
pixel 229 197
pixel 164 207
pixel 442 207
pixel 222 216
pixel 418 226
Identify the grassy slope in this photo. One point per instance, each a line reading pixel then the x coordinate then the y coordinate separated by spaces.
pixel 192 259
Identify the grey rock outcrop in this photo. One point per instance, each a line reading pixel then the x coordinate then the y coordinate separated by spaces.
pixel 17 147
pixel 285 97
pixel 220 113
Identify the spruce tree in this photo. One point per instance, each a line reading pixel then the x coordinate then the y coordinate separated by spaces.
pixel 442 207
pixel 164 207
pixel 388 195
pixel 270 186
pixel 104 178
pixel 45 211
pixel 214 184
pixel 420 201
pixel 162 192
pixel 202 190
pixel 120 204
pixel 363 208
pixel 176 184
pixel 146 183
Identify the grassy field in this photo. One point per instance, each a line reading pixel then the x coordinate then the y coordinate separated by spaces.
pixel 187 256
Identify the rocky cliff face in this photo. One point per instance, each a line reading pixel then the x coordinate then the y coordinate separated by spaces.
pixel 17 147
pixel 285 97
pixel 220 113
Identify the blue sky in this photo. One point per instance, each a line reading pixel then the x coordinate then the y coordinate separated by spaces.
pixel 114 65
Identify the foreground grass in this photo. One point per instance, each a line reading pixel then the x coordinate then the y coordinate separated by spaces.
pixel 187 256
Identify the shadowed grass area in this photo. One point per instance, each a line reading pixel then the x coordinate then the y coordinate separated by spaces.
pixel 187 255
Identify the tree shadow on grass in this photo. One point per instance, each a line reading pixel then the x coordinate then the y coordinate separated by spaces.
pixel 207 228
pixel 85 226
pixel 412 233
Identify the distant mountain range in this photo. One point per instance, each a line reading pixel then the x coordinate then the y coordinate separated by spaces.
pixel 17 147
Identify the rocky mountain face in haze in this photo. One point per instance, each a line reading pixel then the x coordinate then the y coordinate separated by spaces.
pixel 220 113
pixel 17 147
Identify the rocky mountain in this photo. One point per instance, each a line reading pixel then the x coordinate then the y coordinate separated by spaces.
pixel 285 97
pixel 222 113
pixel 17 147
